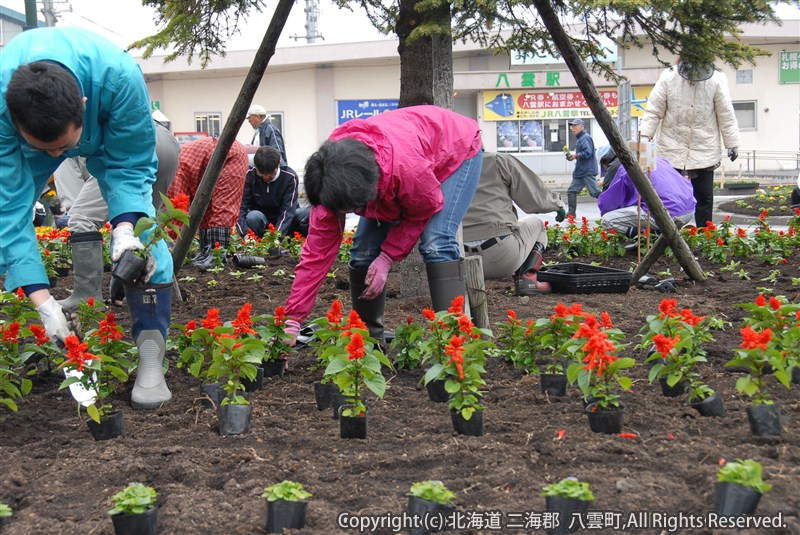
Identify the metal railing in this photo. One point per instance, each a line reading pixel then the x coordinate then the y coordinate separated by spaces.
pixel 770 161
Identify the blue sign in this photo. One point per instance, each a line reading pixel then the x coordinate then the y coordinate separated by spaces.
pixel 363 109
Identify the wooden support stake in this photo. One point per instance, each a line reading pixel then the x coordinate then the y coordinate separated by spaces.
pixel 476 291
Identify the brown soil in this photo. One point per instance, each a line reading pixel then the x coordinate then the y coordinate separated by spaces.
pixel 774 205
pixel 58 479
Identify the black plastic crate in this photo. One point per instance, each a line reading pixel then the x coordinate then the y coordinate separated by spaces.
pixel 577 278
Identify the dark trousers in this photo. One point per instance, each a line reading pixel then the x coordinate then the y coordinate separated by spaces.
pixel 703 186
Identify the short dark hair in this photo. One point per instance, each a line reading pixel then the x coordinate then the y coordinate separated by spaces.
pixel 608 157
pixel 44 99
pixel 342 175
pixel 267 159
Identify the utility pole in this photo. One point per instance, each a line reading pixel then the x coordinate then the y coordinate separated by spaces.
pixel 312 20
pixel 49 13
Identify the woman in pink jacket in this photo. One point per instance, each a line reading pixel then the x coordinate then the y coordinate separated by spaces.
pixel 410 174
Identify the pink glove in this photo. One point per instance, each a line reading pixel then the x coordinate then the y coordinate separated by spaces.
pixel 292 329
pixel 376 276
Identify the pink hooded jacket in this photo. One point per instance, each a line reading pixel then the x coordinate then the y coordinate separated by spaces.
pixel 416 148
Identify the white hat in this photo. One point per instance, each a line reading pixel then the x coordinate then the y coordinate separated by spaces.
pixel 255 109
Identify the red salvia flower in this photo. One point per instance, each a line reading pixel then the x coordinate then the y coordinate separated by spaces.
pixel 665 344
pixel 242 323
pixel 760 300
pixel 409 320
pixel 456 353
pixel 11 333
pixel 211 320
pixel 605 320
pixel 40 334
pixel 334 315
pixel 752 339
pixel 512 316
pixel 356 347
pixel 280 315
pixel 108 330
pixel 76 352
pixel 190 327
pixel 181 202
pixel 20 294
pixel 668 307
pixel 774 303
pixel 688 317
pixel 457 306
pixel 429 314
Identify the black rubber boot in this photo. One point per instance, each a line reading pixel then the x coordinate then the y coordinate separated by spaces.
pixel 370 310
pixel 150 307
pixel 87 269
pixel 446 280
pixel 572 203
pixel 525 281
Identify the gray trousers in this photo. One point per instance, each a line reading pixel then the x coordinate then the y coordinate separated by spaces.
pixel 89 211
pixel 502 259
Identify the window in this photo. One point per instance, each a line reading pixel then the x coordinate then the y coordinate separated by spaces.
pixel 210 122
pixel 534 135
pixel 744 76
pixel 276 118
pixel 745 114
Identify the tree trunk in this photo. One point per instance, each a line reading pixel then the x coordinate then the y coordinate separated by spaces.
pixel 426 63
pixel 670 233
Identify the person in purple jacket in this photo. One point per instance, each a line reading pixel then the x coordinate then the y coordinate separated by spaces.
pixel 618 204
pixel 410 174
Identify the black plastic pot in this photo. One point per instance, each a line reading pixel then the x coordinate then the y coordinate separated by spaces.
pixel 129 268
pixel 52 281
pixel 323 392
pixel 472 427
pixel 710 406
pixel 565 507
pixel 337 400
pixel 234 419
pixel 422 508
pixel 673 391
pixel 110 426
pixel 553 384
pixel 274 368
pixel 136 524
pixel 796 375
pixel 282 514
pixel 248 261
pixel 732 499
pixel 352 426
pixel 436 391
pixel 765 420
pixel 255 384
pixel 274 252
pixel 62 271
pixel 602 421
pixel 211 395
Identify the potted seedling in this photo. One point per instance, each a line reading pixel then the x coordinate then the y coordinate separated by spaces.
pixel 325 335
pixel 5 512
pixel 277 346
pixel 739 488
pixel 567 498
pixel 429 498
pixel 134 511
pixel 132 265
pixel 195 345
pixel 550 335
pixel 356 366
pixel 286 506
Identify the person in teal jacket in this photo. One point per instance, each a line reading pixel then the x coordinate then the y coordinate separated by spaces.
pixel 69 92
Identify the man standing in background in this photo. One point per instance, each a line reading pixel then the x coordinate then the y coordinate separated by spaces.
pixel 265 132
pixel 585 172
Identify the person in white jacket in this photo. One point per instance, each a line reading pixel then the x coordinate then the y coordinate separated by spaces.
pixel 692 106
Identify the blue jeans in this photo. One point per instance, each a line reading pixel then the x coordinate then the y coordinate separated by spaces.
pixel 438 242
pixel 589 181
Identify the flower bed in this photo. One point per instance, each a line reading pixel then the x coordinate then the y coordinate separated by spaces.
pixel 55 475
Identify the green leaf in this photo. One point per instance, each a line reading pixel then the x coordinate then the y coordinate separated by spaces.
pixel 377 384
pixel 93 413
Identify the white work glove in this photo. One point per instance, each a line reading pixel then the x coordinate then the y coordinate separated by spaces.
pixel 124 240
pixel 55 321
